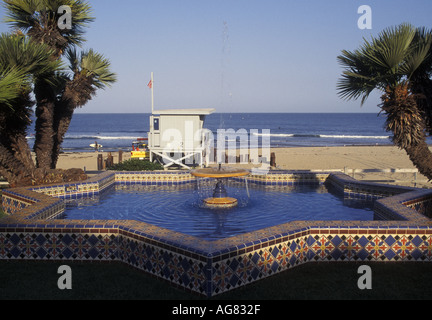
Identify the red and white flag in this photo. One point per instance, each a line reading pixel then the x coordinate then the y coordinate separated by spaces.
pixel 150 84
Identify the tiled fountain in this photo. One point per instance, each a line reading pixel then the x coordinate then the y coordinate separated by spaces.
pixel 401 231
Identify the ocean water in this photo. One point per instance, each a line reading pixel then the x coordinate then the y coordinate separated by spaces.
pixel 117 131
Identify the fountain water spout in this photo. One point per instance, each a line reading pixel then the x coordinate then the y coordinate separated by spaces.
pixel 220 191
pixel 220 197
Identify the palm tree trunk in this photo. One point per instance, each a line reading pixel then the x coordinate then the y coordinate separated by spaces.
pixel 13 138
pixel 44 125
pixel 421 154
pixel 22 151
pixel 422 88
pixel 61 125
pixel 15 156
pixel 44 136
pixel 421 157
pixel 15 172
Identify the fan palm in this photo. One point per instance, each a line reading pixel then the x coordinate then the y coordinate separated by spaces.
pixel 39 19
pixel 397 63
pixel 15 157
pixel 21 61
pixel 90 71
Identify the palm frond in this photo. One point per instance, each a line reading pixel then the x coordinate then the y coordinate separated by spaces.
pixel 383 61
pixel 95 65
pixel 40 18
pixel 11 83
pixel 90 71
pixel 392 46
pixel 20 14
pixel 73 58
pixel 358 79
pixel 30 57
pixel 419 58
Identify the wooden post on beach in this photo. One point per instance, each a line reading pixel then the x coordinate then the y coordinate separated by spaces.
pixel 100 162
pixel 120 156
pixel 110 160
pixel 273 159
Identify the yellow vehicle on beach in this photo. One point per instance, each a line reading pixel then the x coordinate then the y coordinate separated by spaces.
pixel 140 149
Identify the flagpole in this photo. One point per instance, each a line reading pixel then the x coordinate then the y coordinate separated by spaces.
pixel 150 134
pixel 152 93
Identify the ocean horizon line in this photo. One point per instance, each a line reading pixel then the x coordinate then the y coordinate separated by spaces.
pixel 249 112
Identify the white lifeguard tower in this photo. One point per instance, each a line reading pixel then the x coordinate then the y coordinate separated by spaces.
pixel 177 137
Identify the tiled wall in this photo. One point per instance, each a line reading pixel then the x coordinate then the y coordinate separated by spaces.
pixel 211 268
pixel 319 245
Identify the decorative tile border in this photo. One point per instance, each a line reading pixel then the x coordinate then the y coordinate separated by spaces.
pixel 214 267
pixel 314 245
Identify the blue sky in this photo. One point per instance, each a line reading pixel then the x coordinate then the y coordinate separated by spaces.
pixel 235 55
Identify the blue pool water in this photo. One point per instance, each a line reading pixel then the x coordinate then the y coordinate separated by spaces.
pixel 180 208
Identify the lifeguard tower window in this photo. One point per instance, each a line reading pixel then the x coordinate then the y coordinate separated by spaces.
pixel 156 124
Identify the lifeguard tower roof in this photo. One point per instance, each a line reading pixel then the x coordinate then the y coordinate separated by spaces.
pixel 203 112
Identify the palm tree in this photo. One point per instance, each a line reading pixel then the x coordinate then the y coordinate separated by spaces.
pixel 11 89
pixel 56 100
pixel 39 20
pixel 90 72
pixel 21 61
pixel 398 63
pixel 15 158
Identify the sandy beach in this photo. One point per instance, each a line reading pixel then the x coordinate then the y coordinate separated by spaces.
pixel 309 158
